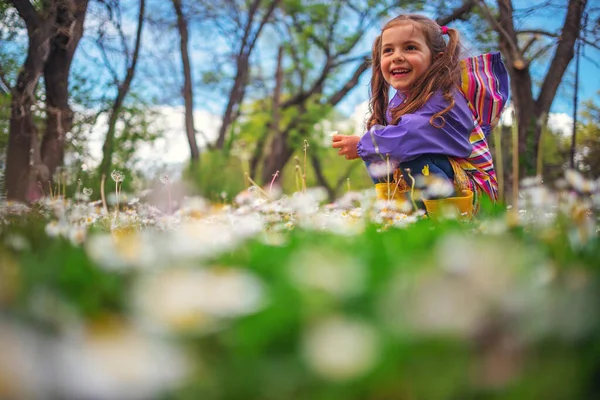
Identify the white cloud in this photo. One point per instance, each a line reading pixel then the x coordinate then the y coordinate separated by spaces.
pixel 170 149
pixel 173 147
pixel 561 122
pixel 558 122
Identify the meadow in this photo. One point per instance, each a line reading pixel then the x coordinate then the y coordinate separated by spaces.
pixel 275 296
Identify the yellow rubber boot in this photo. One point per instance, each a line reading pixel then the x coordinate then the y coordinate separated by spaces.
pixel 389 191
pixel 460 206
pixel 396 193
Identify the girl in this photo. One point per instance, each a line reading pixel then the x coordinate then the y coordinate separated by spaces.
pixel 437 122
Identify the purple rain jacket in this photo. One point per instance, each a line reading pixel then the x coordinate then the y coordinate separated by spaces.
pixel 414 135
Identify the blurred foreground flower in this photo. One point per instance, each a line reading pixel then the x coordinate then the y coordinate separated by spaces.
pixel 196 299
pixel 338 275
pixel 106 360
pixel 339 348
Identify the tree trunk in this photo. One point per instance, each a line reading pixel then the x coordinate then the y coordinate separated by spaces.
pixel 247 44
pixel 278 157
pixel 531 113
pixel 23 134
pixel 321 180
pixel 59 118
pixel 108 147
pixel 188 94
pixel 236 97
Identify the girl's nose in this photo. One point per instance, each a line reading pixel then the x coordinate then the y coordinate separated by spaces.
pixel 398 57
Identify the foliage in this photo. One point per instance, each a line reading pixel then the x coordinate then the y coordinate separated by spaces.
pixel 218 175
pixel 588 140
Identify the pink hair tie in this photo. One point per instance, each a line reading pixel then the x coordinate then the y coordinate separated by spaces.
pixel 444 30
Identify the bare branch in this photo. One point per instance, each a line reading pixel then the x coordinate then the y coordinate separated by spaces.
pixel 541 51
pixel 537 32
pixel 331 31
pixel 529 43
pixel 555 35
pixel 317 87
pixel 264 20
pixel 296 57
pixel 457 13
pixel 123 38
pixel 593 61
pixel 350 60
pixel 510 39
pixel 107 64
pixel 350 84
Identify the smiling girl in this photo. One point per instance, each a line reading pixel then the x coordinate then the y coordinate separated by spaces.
pixel 437 121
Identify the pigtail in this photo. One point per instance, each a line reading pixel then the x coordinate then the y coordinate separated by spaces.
pixel 379 88
pixel 450 60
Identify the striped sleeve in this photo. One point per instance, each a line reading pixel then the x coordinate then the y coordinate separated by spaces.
pixel 485 84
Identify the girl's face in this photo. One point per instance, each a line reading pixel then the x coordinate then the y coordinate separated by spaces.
pixel 405 56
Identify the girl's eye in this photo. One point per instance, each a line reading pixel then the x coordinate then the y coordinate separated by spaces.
pixel 411 47
pixel 386 50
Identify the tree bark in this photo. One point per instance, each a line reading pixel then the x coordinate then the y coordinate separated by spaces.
pixel 188 94
pixel 108 147
pixel 23 133
pixel 273 130
pixel 59 120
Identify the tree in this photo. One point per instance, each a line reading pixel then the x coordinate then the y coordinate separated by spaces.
pixel 54 31
pixel 320 53
pixel 521 49
pixel 59 120
pixel 247 24
pixel 123 89
pixel 188 94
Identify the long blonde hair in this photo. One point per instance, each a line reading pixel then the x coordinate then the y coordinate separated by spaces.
pixel 443 74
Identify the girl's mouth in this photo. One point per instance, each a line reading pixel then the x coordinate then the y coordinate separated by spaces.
pixel 397 72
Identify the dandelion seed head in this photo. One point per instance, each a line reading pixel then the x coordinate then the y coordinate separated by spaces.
pixel 87 191
pixel 117 176
pixel 165 179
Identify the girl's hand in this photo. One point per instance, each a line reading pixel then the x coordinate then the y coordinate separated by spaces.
pixel 347 145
